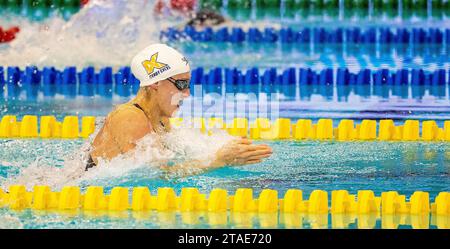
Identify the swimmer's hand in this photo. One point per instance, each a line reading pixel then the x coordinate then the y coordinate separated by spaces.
pixel 241 151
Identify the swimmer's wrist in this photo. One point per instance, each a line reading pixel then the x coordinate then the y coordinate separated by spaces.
pixel 217 163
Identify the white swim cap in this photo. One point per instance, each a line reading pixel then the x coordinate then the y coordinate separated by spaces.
pixel 158 62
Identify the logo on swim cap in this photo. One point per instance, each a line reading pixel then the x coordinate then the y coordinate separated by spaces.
pixel 185 60
pixel 152 64
pixel 157 62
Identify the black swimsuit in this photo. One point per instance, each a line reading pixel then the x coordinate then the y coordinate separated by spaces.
pixel 90 163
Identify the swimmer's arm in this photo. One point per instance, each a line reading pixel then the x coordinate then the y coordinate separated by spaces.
pixel 237 152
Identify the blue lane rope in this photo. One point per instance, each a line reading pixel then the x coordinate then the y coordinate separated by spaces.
pixel 105 82
pixel 354 35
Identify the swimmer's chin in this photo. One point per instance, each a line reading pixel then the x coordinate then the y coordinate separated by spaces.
pixel 175 112
pixel 176 109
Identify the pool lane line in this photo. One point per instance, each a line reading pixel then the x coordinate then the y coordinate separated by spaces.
pixel 261 128
pixel 390 204
pixel 307 35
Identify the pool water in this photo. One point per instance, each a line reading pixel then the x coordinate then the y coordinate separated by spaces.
pixel 287 101
pixel 353 166
pixel 319 56
pixel 193 220
pixel 307 165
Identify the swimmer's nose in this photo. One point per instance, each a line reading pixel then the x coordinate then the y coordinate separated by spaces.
pixel 186 93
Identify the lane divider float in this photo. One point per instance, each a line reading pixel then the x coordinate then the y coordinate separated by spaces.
pixel 49 127
pixel 378 5
pixel 318 35
pixel 219 200
pixel 260 128
pixel 103 80
pixel 35 4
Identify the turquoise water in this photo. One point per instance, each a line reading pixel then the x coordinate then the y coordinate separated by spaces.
pixel 306 165
pixel 313 102
pixel 192 220
pixel 318 56
pixel 378 166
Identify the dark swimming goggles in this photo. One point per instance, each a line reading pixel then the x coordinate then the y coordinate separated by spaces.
pixel 180 84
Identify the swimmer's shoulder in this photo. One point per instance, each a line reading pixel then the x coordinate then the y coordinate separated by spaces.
pixel 126 109
pixel 127 117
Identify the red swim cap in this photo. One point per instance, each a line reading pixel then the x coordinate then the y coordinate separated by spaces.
pixel 183 5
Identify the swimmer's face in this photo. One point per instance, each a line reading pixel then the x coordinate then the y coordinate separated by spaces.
pixel 169 97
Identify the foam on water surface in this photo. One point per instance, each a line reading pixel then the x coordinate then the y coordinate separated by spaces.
pixel 62 163
pixel 107 33
pixel 110 33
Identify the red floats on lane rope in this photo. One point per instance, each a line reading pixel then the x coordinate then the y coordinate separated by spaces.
pixel 183 5
pixel 9 34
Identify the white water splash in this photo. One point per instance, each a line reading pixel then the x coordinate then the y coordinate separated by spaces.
pixel 107 33
pixel 152 151
pixel 179 145
pixel 8 221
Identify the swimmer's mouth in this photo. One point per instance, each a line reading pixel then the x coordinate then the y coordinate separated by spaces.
pixel 180 103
